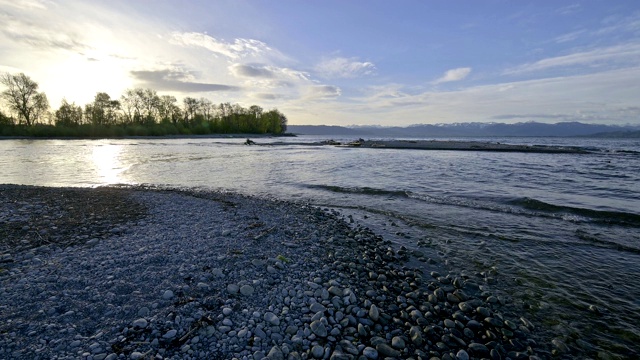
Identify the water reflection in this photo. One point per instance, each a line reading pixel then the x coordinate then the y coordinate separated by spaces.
pixel 107 163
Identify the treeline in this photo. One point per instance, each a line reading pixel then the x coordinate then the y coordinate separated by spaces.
pixel 138 112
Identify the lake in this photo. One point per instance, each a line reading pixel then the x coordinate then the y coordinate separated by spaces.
pixel 556 235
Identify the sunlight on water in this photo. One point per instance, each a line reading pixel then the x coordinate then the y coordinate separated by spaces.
pixel 106 160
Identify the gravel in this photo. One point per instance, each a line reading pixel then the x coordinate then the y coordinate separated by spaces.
pixel 132 273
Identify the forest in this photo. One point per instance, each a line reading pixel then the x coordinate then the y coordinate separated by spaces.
pixel 137 112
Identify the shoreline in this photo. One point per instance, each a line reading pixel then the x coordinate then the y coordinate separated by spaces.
pixel 198 274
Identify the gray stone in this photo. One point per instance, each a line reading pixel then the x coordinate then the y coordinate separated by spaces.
pixel 246 290
pixel 139 323
pixel 370 353
pixel 374 313
pixel 276 353
pixel 317 351
pixel 144 311
pixel 317 307
pixel 170 334
pixel 416 335
pixel 462 355
pixel 318 328
pixel 271 318
pixel 233 289
pixel 167 295
pixel 385 350
pixel 397 342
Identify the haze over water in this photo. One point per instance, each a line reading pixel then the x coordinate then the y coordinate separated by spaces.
pixel 556 234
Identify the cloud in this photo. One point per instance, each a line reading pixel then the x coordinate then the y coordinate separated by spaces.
pixel 239 48
pixel 569 9
pixel 267 96
pixel 625 54
pixel 171 80
pixel 241 70
pixel 344 68
pixel 530 116
pixel 569 36
pixel 38 35
pixel 26 4
pixel 267 72
pixel 454 75
pixel 323 92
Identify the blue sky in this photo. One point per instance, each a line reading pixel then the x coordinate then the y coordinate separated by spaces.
pixel 341 62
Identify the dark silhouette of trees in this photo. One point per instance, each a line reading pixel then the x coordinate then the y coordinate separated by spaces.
pixel 22 96
pixel 68 114
pixel 137 112
pixel 102 111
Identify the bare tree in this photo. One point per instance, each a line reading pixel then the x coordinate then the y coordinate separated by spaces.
pixel 22 96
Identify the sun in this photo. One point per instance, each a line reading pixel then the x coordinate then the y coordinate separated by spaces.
pixel 78 77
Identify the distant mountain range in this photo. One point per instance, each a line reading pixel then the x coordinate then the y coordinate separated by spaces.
pixel 473 130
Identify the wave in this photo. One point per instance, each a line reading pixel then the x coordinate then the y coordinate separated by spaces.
pixel 607 217
pixel 360 190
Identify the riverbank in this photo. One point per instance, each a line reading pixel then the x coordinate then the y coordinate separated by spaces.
pixel 189 274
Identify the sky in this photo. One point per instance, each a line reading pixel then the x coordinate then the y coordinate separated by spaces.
pixel 341 62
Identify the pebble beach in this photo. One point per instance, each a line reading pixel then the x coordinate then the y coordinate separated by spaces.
pixel 133 273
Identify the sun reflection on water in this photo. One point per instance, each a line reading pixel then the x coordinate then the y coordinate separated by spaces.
pixel 107 162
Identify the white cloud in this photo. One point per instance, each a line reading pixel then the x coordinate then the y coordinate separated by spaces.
pixel 26 4
pixel 626 53
pixel 239 48
pixel 344 68
pixel 569 36
pixel 454 75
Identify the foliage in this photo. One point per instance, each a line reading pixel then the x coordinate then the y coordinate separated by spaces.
pixel 138 112
pixel 22 96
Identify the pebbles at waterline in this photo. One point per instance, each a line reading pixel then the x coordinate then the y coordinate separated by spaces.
pixel 208 275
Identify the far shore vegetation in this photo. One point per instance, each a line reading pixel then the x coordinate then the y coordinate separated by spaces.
pixel 138 112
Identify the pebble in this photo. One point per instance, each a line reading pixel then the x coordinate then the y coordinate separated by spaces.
pixel 139 323
pixel 246 290
pixel 318 328
pixel 342 293
pixel 271 318
pixel 167 295
pixel 170 334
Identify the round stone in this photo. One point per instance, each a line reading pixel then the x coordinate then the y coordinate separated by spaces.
pixel 317 351
pixel 397 342
pixel 167 295
pixel 233 289
pixel 246 290
pixel 462 355
pixel 370 353
pixel 139 323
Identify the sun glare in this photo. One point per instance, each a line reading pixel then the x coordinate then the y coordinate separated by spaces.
pixel 79 77
pixel 106 160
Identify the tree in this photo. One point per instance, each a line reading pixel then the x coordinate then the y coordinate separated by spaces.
pixel 190 108
pixel 102 111
pixel 5 120
pixel 22 96
pixel 168 110
pixel 68 114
